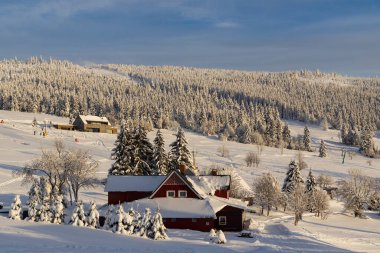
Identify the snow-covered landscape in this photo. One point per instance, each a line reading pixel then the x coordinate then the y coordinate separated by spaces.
pixel 340 232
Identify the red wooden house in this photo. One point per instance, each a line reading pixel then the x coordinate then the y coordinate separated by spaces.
pixel 185 202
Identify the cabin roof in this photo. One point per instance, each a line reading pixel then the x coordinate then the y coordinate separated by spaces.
pixel 92 118
pixel 133 183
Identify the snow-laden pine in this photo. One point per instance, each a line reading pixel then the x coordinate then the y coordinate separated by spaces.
pixel 93 216
pixel 15 212
pixel 78 217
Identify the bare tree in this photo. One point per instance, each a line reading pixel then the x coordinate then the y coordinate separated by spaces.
pixel 298 202
pixel 356 191
pixel 81 170
pixel 301 161
pixel 252 159
pixel 267 192
pixel 320 202
pixel 224 151
pixel 324 181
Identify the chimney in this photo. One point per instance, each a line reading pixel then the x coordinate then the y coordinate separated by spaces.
pixel 182 168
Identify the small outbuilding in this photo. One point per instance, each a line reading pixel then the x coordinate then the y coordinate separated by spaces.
pixel 96 124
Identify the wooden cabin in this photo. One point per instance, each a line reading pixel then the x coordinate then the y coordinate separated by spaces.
pixel 90 123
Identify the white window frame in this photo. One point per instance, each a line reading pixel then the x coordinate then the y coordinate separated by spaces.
pixel 179 194
pixel 225 220
pixel 170 191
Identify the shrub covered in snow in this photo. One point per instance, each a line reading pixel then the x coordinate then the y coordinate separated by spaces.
pixel 146 223
pixel 212 235
pixel 117 221
pixel 32 210
pixel 44 213
pixel 158 230
pixel 129 221
pixel 221 239
pixel 57 210
pixel 108 219
pixel 93 216
pixel 78 217
pixel 15 212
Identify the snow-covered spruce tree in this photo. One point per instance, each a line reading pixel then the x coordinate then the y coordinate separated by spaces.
pixel 179 153
pixel 44 214
pixel 93 216
pixel 160 158
pixel 45 189
pixel 306 139
pixel 267 191
pixel 32 209
pixel 15 212
pixel 146 223
pixel 118 225
pixel 109 218
pixel 128 221
pixel 35 191
pixel 322 149
pixel 310 188
pixel 366 143
pixel 143 154
pixel 78 217
pixel 293 177
pixel 286 135
pixel 120 154
pixel 58 209
pixel 157 231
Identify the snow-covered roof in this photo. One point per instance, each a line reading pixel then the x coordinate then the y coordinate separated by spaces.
pixel 92 118
pixel 175 207
pixel 218 203
pixel 133 183
pixel 207 185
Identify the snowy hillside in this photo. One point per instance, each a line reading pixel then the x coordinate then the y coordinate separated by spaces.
pixel 21 142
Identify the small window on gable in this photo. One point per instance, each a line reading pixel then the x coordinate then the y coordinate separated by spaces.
pixel 170 194
pixel 182 194
pixel 222 220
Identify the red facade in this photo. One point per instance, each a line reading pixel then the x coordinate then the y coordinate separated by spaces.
pixel 200 224
pixel 174 183
pixel 222 194
pixel 115 198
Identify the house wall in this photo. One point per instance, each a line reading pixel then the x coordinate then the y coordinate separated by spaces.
pixel 161 193
pixel 115 198
pixel 222 193
pixel 203 224
pixel 235 218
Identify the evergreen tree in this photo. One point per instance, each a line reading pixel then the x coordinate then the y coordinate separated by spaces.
pixel 143 154
pixel 93 216
pixel 306 139
pixel 120 153
pixel 158 229
pixel 310 182
pixel 322 149
pixel 58 210
pixel 34 192
pixel 146 223
pixel 366 144
pixel 44 213
pixel 160 158
pixel 293 177
pixel 108 218
pixel 32 209
pixel 179 153
pixel 15 212
pixel 128 221
pixel 118 225
pixel 286 135
pixel 78 217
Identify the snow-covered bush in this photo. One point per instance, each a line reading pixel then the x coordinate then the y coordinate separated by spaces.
pixel 15 212
pixel 212 235
pixel 129 221
pixel 221 239
pixel 118 225
pixel 78 217
pixel 44 213
pixel 158 230
pixel 57 209
pixel 32 210
pixel 146 223
pixel 93 216
pixel 108 218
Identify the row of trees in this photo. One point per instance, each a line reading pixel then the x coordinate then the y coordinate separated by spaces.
pixel 135 155
pixel 363 139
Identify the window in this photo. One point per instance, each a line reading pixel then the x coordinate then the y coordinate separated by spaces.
pixel 194 220
pixel 207 223
pixel 222 220
pixel 182 194
pixel 170 194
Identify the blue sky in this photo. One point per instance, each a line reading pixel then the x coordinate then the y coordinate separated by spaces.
pixel 331 35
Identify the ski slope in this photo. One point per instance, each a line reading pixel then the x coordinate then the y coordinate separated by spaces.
pixel 339 233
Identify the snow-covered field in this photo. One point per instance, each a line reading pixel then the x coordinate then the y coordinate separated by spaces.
pixel 339 233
